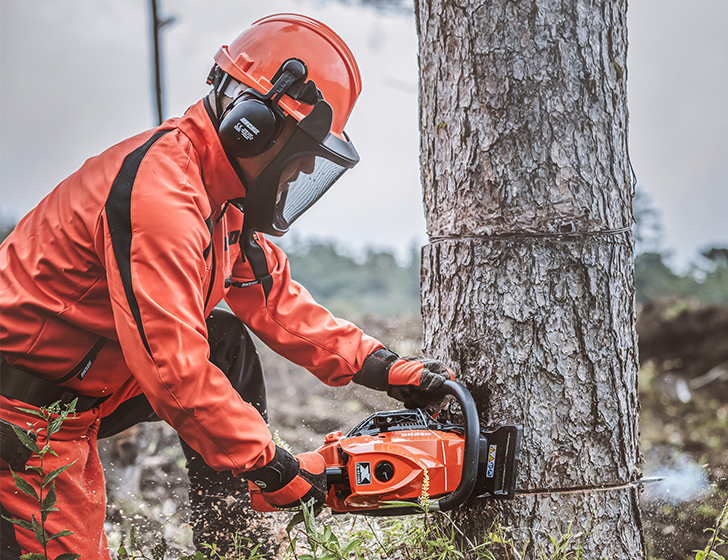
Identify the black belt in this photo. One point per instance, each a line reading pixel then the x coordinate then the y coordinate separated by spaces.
pixel 28 388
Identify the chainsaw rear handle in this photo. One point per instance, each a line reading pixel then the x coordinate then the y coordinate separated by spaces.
pixel 472 448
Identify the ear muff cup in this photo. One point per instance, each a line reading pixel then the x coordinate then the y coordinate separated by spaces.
pixel 249 128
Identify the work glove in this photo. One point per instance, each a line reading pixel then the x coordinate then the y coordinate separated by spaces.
pixel 286 481
pixel 414 381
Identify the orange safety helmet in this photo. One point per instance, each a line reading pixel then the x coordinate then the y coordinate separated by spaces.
pixel 255 56
pixel 287 66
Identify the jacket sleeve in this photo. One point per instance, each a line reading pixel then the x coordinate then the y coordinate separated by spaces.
pixel 292 324
pixel 155 244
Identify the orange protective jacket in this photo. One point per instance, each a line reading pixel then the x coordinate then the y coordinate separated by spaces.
pixel 137 247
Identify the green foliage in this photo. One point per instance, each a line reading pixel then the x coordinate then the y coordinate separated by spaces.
pixel 53 416
pixel 135 550
pixel 718 539
pixel 706 283
pixel 6 228
pixel 566 546
pixel 432 535
pixel 378 284
pixel 323 543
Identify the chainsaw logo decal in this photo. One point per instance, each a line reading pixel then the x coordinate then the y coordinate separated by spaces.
pixel 363 474
pixel 490 471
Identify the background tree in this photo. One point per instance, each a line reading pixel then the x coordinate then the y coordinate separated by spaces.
pixel 528 279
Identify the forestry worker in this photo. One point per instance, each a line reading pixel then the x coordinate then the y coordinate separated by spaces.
pixel 109 288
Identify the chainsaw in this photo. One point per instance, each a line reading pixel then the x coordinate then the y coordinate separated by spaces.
pixel 379 467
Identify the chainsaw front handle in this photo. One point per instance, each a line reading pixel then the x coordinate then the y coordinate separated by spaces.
pixel 469 474
pixel 472 448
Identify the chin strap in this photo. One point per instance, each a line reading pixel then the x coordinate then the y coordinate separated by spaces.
pixel 254 254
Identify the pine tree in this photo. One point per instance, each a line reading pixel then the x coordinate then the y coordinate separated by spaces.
pixel 528 278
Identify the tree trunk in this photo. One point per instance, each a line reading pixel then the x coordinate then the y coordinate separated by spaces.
pixel 528 281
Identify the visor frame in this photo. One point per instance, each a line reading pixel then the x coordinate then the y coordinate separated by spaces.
pixel 311 137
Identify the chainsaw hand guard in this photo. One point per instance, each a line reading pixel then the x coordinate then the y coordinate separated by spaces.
pixel 417 382
pixel 287 481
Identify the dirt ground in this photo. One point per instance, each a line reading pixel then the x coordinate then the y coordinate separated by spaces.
pixel 687 442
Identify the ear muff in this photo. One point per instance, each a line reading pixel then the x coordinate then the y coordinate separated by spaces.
pixel 252 121
pixel 249 126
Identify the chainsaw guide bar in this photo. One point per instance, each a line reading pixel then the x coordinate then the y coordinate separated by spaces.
pixel 387 462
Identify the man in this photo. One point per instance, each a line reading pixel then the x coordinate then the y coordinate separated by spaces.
pixel 109 286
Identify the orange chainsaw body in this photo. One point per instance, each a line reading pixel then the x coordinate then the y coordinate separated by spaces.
pixel 384 459
pixel 391 466
pixel 386 467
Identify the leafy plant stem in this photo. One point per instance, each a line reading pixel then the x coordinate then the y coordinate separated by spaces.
pixel 376 537
pixel 720 522
pixel 53 416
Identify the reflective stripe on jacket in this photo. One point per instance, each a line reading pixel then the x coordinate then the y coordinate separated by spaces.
pixel 138 246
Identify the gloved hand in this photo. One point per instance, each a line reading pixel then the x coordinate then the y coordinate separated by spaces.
pixel 414 381
pixel 287 480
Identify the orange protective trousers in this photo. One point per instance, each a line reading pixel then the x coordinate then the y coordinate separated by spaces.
pixel 80 493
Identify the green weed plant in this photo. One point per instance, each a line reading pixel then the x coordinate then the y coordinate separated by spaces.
pixel 427 535
pixel 135 550
pixel 53 417
pixel 717 539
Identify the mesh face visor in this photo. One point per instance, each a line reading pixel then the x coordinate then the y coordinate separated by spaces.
pixel 311 161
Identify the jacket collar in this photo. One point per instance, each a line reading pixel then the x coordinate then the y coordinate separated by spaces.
pixel 219 174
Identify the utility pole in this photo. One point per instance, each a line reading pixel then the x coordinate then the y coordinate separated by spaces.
pixel 156 24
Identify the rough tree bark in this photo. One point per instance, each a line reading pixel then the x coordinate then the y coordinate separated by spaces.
pixel 527 281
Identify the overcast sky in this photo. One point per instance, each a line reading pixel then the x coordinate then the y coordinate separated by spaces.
pixel 75 79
